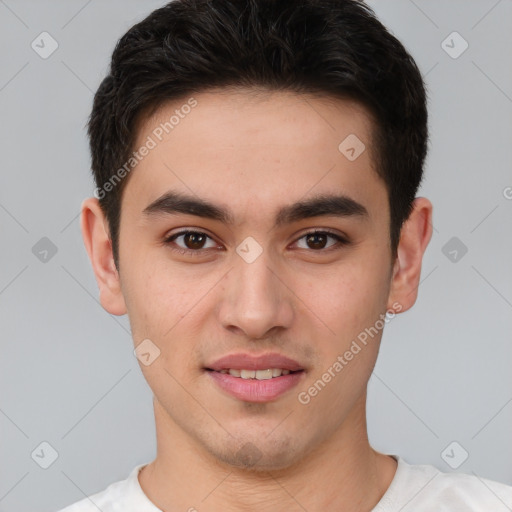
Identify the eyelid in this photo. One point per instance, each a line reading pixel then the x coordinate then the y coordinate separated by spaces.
pixel 325 231
pixel 170 238
pixel 341 240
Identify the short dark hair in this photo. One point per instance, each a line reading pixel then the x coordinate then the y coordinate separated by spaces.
pixel 334 48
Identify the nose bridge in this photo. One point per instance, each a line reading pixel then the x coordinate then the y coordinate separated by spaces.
pixel 255 281
pixel 255 300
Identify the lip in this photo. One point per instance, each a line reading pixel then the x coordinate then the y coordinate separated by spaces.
pixel 244 361
pixel 254 390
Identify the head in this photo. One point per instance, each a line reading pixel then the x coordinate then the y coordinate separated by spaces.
pixel 266 122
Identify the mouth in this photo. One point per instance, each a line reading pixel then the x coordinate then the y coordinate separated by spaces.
pixel 259 386
pixel 255 378
pixel 246 374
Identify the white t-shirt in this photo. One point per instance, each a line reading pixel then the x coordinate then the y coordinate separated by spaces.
pixel 414 488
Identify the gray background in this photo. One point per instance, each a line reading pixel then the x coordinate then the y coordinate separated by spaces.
pixel 67 372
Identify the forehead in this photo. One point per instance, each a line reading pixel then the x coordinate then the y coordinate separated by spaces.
pixel 248 147
pixel 245 117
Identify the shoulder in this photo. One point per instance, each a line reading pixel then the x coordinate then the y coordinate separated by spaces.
pixel 424 488
pixel 118 496
pixel 468 492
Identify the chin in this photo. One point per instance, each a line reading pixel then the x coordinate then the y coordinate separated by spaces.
pixel 257 454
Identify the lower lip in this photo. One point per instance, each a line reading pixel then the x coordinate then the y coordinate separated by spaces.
pixel 254 390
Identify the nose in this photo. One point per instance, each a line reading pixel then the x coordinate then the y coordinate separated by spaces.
pixel 255 298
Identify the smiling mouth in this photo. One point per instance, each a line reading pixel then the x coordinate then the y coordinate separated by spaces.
pixel 269 373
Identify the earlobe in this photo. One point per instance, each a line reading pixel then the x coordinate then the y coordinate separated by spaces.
pixel 97 242
pixel 415 235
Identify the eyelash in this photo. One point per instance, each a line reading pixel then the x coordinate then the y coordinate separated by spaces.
pixel 340 241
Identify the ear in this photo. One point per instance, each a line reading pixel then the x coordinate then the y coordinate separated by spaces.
pixel 98 244
pixel 414 237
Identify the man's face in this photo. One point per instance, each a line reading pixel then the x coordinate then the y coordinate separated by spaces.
pixel 251 286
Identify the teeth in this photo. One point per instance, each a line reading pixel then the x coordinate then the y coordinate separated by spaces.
pixel 247 374
pixel 264 374
pixel 257 374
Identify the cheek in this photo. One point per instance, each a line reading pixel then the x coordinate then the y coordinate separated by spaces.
pixel 347 299
pixel 160 309
pixel 165 304
pixel 158 292
pixel 349 303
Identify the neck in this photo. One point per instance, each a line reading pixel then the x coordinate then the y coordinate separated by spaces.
pixel 341 473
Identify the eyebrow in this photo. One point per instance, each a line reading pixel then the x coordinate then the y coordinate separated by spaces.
pixel 172 203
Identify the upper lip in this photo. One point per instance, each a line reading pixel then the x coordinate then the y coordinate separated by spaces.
pixel 243 361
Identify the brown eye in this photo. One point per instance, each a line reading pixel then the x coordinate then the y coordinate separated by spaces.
pixel 318 240
pixel 192 242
